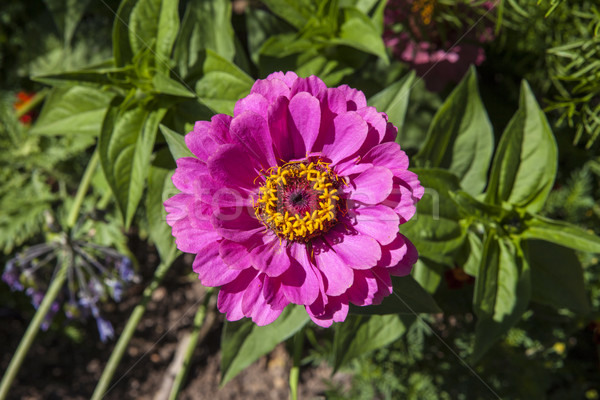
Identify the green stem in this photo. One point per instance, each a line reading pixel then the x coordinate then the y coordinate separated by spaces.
pixel 82 190
pixel 295 371
pixel 189 352
pixel 33 103
pixel 130 327
pixel 33 328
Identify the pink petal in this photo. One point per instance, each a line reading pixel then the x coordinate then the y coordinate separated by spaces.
pixel 372 186
pixel 230 166
pixel 230 296
pixel 356 251
pixel 378 222
pixel 305 118
pixel 271 258
pixel 289 78
pixel 370 287
pixel 287 146
pixel 387 155
pixel 187 172
pixel 312 85
pixel 402 256
pixel 349 133
pixel 354 98
pixel 254 102
pixel 211 269
pixel 338 275
pixel 208 136
pixel 237 225
pixel 271 89
pixel 235 255
pixel 252 133
pixel 254 304
pixel 300 283
pixel 335 309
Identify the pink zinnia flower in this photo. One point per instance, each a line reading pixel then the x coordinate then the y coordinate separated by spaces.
pixel 297 199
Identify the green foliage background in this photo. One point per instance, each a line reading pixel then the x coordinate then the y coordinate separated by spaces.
pixel 504 299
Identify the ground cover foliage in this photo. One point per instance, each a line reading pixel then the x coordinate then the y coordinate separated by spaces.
pixel 503 300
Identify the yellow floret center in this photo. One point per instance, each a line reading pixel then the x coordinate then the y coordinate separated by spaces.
pixel 299 200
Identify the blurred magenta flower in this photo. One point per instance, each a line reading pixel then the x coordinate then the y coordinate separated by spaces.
pixel 297 199
pixel 439 52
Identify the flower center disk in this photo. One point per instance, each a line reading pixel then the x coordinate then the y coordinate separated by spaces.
pixel 299 200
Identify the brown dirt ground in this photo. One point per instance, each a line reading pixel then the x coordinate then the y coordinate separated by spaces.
pixel 59 368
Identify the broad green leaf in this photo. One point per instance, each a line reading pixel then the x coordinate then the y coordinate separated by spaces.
pixel 154 24
pixel 360 335
pixel 475 250
pixel 176 143
pixel 428 274
pixel 460 137
pixel 72 111
pixel 358 31
pixel 502 292
pixel 160 188
pixel 296 12
pixel 262 25
pixel 435 229
pixel 95 76
pixel 561 233
pixel 206 25
pixel 243 342
pixel 393 101
pixel 408 298
pixel 66 15
pixel 120 35
pixel 165 85
pixel 525 163
pixel 557 277
pixel 125 146
pixel 223 84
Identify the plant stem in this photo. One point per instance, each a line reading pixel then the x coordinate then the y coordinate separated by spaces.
pixel 295 371
pixel 82 190
pixel 32 329
pixel 189 352
pixel 130 327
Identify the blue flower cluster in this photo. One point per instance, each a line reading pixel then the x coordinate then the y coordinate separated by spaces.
pixel 95 273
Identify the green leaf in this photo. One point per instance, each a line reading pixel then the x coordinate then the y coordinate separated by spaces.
pixel 360 335
pixel 502 292
pixel 561 233
pixel 154 24
pixel 435 229
pixel 358 31
pixel 393 101
pixel 72 111
pixel 261 26
pixel 460 137
pixel 223 84
pixel 95 76
pixel 243 342
pixel 165 85
pixel 475 250
pixel 66 15
pixel 176 143
pixel 428 274
pixel 125 146
pixel 160 188
pixel 206 25
pixel 120 35
pixel 408 298
pixel 296 12
pixel 525 164
pixel 557 277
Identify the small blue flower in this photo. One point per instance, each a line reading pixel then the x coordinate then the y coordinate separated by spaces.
pixel 11 276
pixel 105 329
